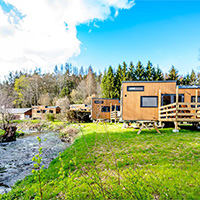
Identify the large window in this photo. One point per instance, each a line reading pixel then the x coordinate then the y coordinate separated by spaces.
pixel 149 101
pixel 135 88
pixel 117 108
pixel 98 102
pixel 105 109
pixel 193 100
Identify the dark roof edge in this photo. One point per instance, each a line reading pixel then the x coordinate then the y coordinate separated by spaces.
pixel 148 81
pixel 189 86
pixel 106 98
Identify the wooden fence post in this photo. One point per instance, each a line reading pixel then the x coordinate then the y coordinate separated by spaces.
pixel 196 101
pixel 176 120
pixel 159 104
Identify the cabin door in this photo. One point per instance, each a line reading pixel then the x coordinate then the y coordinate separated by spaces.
pixel 171 98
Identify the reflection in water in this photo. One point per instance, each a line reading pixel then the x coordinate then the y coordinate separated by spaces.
pixel 16 157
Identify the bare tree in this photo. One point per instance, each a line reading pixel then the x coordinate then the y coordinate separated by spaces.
pixel 6 102
pixel 63 103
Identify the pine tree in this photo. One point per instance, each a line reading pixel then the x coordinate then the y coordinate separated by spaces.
pixel 118 82
pixel 104 84
pixel 124 72
pixel 110 83
pixel 139 72
pixel 149 72
pixel 193 78
pixel 157 74
pixel 130 73
pixel 173 74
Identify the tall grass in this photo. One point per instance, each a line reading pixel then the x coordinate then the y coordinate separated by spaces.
pixel 106 162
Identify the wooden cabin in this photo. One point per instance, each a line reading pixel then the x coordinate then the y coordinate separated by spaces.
pixel 39 112
pixel 80 107
pixel 159 101
pixel 106 109
pixel 19 113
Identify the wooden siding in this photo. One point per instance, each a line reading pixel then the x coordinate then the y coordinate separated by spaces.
pixel 131 100
pixel 39 112
pixel 80 107
pixel 96 109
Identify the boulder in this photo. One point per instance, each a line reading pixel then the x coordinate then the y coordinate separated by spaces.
pixel 9 135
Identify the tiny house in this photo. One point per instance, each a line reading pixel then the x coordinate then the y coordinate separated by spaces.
pixel 39 112
pixel 19 113
pixel 104 108
pixel 159 101
pixel 80 107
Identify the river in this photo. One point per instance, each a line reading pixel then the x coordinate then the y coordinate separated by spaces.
pixel 16 157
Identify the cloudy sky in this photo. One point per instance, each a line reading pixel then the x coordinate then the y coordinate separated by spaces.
pixel 43 33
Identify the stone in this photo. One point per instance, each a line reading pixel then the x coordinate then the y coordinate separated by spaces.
pixel 9 135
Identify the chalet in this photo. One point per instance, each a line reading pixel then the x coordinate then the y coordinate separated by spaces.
pixel 80 107
pixel 19 113
pixel 106 109
pixel 39 112
pixel 159 101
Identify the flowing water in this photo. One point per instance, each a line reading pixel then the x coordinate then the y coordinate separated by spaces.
pixel 16 157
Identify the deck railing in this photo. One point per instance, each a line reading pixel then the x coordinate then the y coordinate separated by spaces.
pixel 180 112
pixel 114 115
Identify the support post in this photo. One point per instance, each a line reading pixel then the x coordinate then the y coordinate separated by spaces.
pixel 176 120
pixel 115 113
pixel 110 112
pixel 196 101
pixel 159 104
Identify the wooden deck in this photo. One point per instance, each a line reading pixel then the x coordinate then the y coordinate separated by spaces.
pixel 179 111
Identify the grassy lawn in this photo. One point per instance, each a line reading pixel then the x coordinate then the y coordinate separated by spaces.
pixel 108 162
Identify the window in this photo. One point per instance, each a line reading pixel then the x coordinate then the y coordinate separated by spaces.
pixel 50 111
pixel 105 109
pixel 98 102
pixel 38 111
pixel 135 88
pixel 44 111
pixel 117 108
pixel 193 100
pixel 149 101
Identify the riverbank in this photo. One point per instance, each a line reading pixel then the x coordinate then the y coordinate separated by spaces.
pixel 111 163
pixel 16 157
pixel 26 127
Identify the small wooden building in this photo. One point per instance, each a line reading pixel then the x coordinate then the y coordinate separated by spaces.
pixel 80 107
pixel 103 108
pixel 159 101
pixel 19 113
pixel 39 112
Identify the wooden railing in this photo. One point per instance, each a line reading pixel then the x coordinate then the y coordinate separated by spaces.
pixel 114 115
pixel 180 112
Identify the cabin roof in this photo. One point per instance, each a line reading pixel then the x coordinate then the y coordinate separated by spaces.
pixel 189 86
pixel 148 81
pixel 105 98
pixel 18 110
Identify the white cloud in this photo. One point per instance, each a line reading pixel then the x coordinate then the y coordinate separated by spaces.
pixel 41 38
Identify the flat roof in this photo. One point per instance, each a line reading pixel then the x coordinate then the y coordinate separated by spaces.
pixel 18 110
pixel 189 86
pixel 105 98
pixel 148 81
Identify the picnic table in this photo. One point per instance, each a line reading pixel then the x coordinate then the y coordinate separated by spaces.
pixel 146 125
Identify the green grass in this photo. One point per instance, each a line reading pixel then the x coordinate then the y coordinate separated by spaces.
pixel 2 132
pixel 115 163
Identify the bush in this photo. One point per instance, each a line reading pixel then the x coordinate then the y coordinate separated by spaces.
pixel 77 116
pixel 50 117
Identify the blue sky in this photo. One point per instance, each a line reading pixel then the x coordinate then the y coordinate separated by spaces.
pixel 165 32
pixel 99 33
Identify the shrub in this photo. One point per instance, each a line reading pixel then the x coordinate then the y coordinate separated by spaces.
pixel 50 117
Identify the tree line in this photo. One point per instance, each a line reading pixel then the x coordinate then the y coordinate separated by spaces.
pixel 67 84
